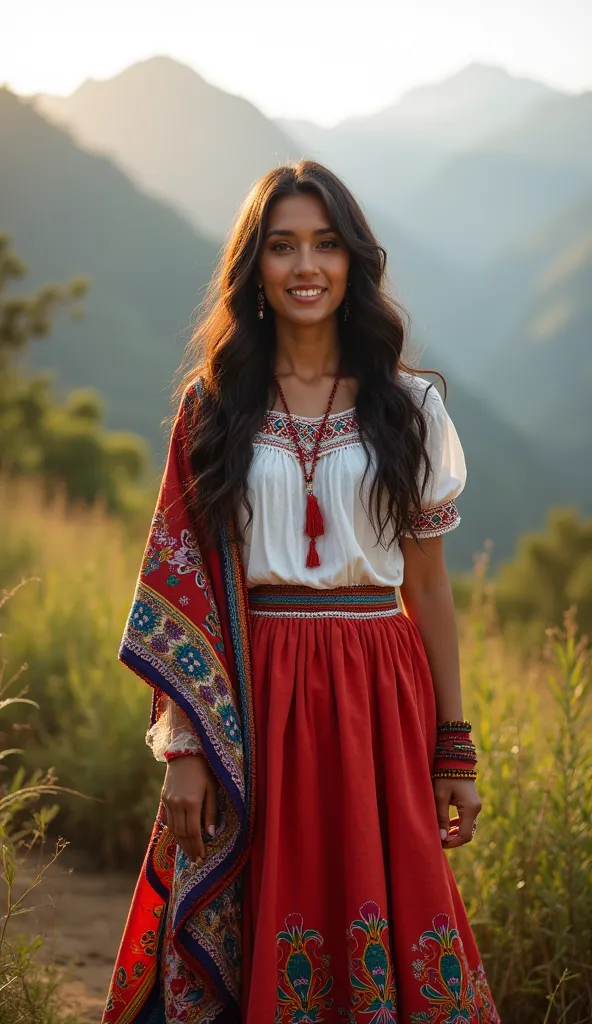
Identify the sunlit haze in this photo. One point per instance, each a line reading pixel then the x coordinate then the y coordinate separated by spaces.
pixel 320 62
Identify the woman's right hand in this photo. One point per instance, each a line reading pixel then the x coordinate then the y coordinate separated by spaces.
pixel 189 802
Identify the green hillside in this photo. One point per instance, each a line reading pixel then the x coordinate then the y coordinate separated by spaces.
pixel 511 482
pixel 494 312
pixel 540 378
pixel 71 212
pixel 432 289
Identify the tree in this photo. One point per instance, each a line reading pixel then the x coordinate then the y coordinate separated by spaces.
pixel 64 445
pixel 23 318
pixel 551 571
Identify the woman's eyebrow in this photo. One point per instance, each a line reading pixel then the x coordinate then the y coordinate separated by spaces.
pixel 286 231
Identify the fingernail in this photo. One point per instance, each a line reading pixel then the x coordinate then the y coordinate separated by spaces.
pixel 443 833
pixel 211 830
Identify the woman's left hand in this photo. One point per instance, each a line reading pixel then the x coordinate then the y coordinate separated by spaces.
pixel 462 794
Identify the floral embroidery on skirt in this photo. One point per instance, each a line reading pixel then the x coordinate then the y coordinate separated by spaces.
pixel 374 994
pixel 304 980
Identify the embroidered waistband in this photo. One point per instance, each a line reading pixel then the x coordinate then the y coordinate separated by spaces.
pixel 296 602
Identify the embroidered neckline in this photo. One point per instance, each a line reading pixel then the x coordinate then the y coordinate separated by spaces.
pixel 341 429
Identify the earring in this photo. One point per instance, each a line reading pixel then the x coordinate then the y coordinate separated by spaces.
pixel 345 309
pixel 260 302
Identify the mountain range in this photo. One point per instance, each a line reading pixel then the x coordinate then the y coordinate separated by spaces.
pixel 136 183
pixel 398 152
pixel 177 136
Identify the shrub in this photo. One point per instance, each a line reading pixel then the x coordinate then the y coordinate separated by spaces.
pixel 551 570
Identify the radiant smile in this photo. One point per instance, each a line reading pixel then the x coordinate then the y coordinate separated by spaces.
pixel 306 293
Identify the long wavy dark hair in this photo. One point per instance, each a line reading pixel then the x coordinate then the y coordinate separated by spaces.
pixel 233 352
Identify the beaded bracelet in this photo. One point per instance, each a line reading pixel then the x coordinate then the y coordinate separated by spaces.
pixel 454 773
pixel 450 754
pixel 446 755
pixel 456 748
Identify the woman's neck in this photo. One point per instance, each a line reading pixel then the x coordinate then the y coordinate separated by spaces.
pixel 306 361
pixel 308 352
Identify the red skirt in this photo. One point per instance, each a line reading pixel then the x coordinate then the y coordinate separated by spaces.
pixel 351 909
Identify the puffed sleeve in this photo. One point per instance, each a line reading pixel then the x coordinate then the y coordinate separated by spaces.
pixel 439 514
pixel 172 733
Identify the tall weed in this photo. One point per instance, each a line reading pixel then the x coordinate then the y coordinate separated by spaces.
pixel 28 994
pixel 526 877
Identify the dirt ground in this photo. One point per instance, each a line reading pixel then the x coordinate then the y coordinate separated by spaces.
pixel 81 917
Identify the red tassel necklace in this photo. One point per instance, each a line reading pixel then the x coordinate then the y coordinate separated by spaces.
pixel 314 525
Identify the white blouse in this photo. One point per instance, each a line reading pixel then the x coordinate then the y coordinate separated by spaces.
pixel 275 546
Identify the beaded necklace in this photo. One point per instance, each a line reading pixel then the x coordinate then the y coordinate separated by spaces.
pixel 314 525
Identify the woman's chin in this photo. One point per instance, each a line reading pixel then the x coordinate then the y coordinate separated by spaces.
pixel 309 316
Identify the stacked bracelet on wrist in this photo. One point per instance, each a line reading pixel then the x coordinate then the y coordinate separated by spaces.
pixel 455 756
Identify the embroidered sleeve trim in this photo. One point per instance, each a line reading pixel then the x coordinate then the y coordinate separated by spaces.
pixel 433 522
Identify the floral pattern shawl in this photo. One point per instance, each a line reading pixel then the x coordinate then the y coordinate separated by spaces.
pixel 187 636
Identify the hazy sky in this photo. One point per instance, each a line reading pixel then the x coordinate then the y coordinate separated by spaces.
pixel 322 60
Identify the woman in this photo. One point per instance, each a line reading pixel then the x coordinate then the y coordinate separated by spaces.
pixel 307 469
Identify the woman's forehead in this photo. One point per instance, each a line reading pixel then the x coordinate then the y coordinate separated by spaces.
pixel 302 210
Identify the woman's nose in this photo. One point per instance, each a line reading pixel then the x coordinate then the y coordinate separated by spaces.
pixel 306 263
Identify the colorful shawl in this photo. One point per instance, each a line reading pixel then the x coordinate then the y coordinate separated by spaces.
pixel 187 636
